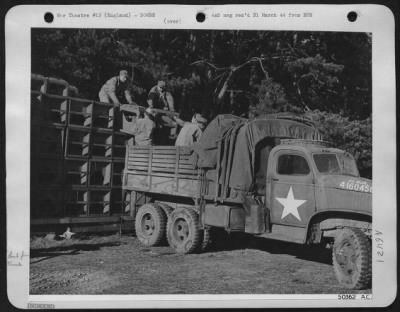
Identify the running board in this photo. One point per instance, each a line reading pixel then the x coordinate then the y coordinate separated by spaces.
pixel 286 233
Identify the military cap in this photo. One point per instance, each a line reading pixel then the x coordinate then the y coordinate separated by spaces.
pixel 200 119
pixel 123 73
pixel 161 84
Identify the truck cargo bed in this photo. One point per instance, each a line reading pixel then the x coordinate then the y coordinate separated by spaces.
pixel 161 169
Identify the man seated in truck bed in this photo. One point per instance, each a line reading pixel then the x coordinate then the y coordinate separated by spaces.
pixel 191 131
pixel 141 127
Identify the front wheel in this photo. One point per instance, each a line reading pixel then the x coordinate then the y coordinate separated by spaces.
pixel 351 257
pixel 183 231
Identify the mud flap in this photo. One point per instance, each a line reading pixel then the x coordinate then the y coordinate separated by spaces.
pixel 255 216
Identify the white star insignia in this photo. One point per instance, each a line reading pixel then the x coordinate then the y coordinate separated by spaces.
pixel 290 205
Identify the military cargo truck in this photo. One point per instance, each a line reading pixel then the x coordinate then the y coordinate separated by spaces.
pixel 272 177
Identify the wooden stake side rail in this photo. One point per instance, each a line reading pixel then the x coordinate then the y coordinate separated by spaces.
pixel 160 157
pixel 77 155
pixel 162 169
pixel 142 166
pixel 72 98
pixel 169 170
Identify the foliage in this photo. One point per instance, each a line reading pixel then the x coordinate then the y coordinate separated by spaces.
pixel 354 136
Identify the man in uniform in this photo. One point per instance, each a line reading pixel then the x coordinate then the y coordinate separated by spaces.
pixel 191 131
pixel 144 128
pixel 116 90
pixel 160 98
pixel 139 124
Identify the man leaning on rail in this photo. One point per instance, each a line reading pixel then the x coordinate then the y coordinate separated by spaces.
pixel 116 90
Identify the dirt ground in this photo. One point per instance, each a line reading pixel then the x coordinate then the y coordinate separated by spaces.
pixel 120 265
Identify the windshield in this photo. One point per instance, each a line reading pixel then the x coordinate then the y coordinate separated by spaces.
pixel 349 165
pixel 328 163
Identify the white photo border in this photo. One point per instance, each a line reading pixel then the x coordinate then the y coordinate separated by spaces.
pixel 375 19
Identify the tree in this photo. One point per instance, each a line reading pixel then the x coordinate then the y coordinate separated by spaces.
pixel 354 136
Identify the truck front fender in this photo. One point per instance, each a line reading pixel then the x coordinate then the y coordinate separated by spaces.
pixel 324 221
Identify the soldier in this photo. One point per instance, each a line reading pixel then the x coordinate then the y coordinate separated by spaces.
pixel 160 98
pixel 191 131
pixel 144 128
pixel 115 90
pixel 141 127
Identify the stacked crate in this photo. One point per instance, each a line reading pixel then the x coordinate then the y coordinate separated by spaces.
pixel 77 154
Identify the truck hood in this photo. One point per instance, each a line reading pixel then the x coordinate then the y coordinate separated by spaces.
pixel 347 193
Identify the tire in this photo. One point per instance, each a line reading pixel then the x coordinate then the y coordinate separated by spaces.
pixel 183 231
pixel 150 225
pixel 167 209
pixel 351 257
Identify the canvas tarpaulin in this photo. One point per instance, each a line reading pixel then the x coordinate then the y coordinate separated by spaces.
pixel 251 133
pixel 239 138
pixel 205 149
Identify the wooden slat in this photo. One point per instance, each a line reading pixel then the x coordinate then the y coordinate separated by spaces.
pixel 161 165
pixel 141 156
pixel 168 170
pixel 186 166
pixel 137 152
pixel 155 156
pixel 183 171
pixel 162 169
pixel 163 147
pixel 159 174
pixel 162 152
pixel 172 159
pixel 136 168
pixel 160 162
pixel 158 153
pixel 173 167
pixel 137 163
pixel 139 160
pixel 144 161
pixel 155 149
pixel 159 149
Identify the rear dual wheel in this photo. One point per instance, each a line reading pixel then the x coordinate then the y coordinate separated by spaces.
pixel 150 225
pixel 183 231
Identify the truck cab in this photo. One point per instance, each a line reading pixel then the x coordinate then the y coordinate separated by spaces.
pixel 315 194
pixel 309 181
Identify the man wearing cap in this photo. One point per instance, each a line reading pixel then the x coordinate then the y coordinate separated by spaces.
pixel 160 98
pixel 191 131
pixel 142 128
pixel 115 89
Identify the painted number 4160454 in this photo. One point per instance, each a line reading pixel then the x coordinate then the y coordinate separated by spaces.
pixel 355 185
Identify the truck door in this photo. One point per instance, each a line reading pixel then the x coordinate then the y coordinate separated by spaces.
pixel 292 198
